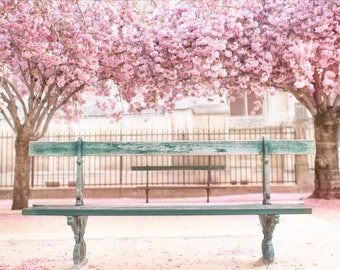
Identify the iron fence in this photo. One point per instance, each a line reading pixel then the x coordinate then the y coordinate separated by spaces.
pixel 115 171
pixel 7 160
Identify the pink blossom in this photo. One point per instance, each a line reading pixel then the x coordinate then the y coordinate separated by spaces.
pixel 228 53
pixel 216 84
pixel 300 84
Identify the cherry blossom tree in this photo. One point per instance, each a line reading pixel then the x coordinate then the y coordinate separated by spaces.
pixel 51 54
pixel 232 48
pixel 302 39
pixel 290 46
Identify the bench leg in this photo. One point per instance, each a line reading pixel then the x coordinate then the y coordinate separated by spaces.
pixel 268 223
pixel 78 225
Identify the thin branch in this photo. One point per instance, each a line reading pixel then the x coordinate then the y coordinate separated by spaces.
pixel 48 101
pixel 44 14
pixel 10 87
pixel 319 97
pixel 40 133
pixel 336 104
pixel 68 97
pixel 50 106
pixel 306 100
pixel 39 117
pixel 41 103
pixel 13 111
pixel 36 98
pixel 8 120
pixel 82 14
pixel 28 85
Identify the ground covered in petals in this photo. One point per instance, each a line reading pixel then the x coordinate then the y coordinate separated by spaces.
pixel 302 242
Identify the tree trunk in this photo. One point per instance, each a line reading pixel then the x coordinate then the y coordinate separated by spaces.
pixel 21 189
pixel 327 180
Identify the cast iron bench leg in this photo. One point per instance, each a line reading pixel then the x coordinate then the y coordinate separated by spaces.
pixel 268 223
pixel 78 225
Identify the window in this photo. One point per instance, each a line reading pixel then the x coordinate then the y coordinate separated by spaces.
pixel 244 106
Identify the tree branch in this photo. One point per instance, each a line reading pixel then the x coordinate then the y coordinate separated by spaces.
pixel 81 13
pixel 7 119
pixel 319 95
pixel 10 87
pixel 12 109
pixel 306 100
pixel 336 104
pixel 28 85
pixel 44 14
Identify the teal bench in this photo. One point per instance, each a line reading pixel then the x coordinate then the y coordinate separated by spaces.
pixel 77 214
pixel 206 186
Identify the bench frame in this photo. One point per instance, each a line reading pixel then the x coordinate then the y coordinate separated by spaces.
pixel 77 214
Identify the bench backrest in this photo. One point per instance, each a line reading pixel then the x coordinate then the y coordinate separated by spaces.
pixel 85 148
pixel 262 147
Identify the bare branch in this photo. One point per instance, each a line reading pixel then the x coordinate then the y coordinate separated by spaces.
pixel 36 98
pixel 40 132
pixel 336 103
pixel 44 104
pixel 306 100
pixel 68 97
pixel 10 87
pixel 48 19
pixel 81 13
pixel 28 85
pixel 319 95
pixel 8 120
pixel 12 109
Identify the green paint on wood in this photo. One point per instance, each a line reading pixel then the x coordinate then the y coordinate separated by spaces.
pixel 172 148
pixel 169 210
pixel 53 149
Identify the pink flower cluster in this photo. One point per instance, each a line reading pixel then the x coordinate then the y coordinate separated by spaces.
pixel 54 51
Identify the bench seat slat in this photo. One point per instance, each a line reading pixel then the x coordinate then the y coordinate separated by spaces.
pixel 169 210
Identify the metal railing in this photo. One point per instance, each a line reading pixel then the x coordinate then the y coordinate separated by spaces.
pixel 115 171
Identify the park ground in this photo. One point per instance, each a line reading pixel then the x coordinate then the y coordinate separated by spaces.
pixel 302 242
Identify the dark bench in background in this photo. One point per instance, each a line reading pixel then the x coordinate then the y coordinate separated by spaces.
pixel 206 186
pixel 77 214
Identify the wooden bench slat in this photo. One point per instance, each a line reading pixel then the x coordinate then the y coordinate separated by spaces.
pixel 172 148
pixel 169 210
pixel 53 149
pixel 291 147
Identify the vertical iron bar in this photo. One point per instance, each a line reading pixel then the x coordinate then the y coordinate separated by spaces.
pixel 147 185
pixel 209 178
pixel 121 163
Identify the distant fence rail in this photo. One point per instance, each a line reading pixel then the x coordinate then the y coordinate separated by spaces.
pixel 112 171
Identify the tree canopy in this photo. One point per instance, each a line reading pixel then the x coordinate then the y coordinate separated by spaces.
pixel 53 52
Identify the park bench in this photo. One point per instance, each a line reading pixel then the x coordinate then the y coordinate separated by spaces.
pixel 206 186
pixel 77 214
